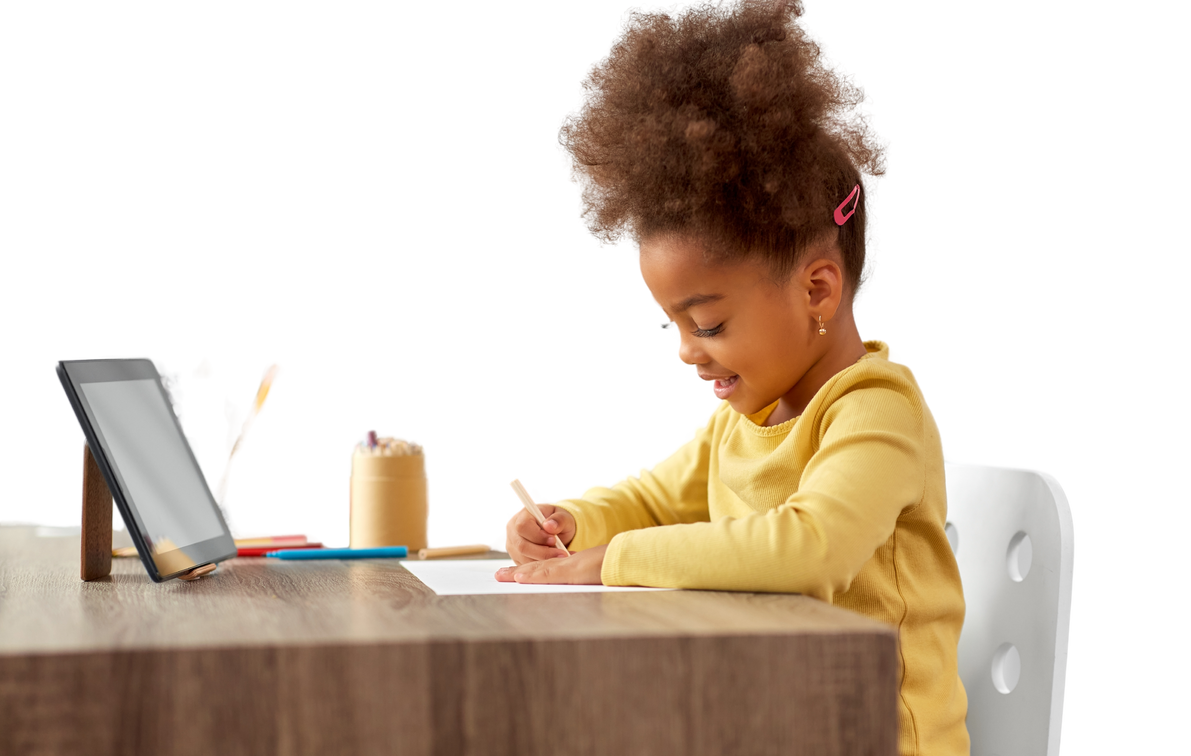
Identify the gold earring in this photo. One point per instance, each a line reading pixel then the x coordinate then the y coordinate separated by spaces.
pixel 822 329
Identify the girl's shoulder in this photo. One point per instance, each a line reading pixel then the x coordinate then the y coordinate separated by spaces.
pixel 874 380
pixel 876 365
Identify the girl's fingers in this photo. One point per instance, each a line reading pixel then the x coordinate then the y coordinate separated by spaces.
pixel 526 541
pixel 532 552
pixel 540 572
pixel 536 572
pixel 529 572
pixel 561 524
pixel 529 529
pixel 515 574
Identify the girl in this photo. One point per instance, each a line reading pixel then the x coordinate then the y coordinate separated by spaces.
pixel 719 142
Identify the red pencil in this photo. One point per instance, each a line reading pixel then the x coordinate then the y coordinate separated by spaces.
pixel 260 551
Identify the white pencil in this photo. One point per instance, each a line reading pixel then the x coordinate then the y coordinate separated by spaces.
pixel 533 510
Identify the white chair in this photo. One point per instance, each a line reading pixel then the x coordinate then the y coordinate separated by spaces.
pixel 1012 536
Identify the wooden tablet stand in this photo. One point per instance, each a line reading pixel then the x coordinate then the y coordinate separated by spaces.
pixel 97 521
pixel 97 526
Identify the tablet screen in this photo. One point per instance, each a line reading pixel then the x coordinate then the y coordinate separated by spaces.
pixel 171 497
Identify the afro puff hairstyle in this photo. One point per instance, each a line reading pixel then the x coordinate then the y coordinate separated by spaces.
pixel 723 125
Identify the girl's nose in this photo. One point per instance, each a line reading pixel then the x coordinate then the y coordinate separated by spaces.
pixel 690 352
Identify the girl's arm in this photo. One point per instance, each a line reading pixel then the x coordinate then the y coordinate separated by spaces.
pixel 673 492
pixel 868 469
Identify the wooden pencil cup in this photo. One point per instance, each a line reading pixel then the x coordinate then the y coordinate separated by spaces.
pixel 388 501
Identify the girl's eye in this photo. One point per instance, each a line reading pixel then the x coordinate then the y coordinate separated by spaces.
pixel 671 329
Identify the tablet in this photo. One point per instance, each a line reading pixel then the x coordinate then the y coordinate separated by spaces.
pixel 148 465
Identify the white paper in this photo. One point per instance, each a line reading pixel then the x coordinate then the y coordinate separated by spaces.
pixel 469 577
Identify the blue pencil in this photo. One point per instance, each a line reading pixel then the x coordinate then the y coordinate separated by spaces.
pixel 386 551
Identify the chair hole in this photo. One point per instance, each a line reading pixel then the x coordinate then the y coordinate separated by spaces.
pixel 1006 667
pixel 1020 556
pixel 952 536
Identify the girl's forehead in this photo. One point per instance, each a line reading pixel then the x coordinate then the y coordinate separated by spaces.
pixel 681 275
pixel 676 265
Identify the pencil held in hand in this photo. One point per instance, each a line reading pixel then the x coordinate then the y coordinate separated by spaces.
pixel 533 510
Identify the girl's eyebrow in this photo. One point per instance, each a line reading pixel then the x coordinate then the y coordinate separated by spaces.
pixel 697 299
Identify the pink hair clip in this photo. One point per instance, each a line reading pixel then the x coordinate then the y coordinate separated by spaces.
pixel 840 216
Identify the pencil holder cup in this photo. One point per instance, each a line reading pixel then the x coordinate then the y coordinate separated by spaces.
pixel 388 500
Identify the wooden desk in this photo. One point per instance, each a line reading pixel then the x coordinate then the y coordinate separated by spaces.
pixel 330 658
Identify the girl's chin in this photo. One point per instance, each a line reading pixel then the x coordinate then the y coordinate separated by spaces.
pixel 744 405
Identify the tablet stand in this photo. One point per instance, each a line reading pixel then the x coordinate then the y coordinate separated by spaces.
pixel 97 526
pixel 97 521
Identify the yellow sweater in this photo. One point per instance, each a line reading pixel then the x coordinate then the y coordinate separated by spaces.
pixel 845 503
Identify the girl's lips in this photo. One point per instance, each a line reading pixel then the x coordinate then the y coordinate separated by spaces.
pixel 724 387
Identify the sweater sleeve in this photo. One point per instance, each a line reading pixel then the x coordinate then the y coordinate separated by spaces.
pixel 868 468
pixel 673 492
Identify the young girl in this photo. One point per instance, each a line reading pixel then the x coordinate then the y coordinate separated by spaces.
pixel 718 141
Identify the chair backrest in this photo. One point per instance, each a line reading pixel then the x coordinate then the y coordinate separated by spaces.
pixel 1012 536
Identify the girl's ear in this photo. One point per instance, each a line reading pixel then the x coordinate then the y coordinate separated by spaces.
pixel 823 281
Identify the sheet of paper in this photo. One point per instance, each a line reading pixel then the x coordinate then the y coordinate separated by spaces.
pixel 469 577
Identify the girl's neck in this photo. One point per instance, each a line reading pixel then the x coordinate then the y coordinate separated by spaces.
pixel 843 350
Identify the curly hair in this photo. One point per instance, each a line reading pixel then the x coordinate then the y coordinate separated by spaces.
pixel 723 125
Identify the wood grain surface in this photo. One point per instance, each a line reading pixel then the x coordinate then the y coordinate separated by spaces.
pixel 272 657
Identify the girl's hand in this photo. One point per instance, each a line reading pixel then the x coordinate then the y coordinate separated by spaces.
pixel 526 541
pixel 582 568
